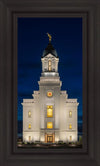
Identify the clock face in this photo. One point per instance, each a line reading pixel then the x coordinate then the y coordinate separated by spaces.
pixel 49 94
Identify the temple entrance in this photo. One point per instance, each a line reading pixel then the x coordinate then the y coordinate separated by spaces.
pixel 49 138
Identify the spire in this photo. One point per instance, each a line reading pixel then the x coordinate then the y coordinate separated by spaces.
pixel 49 48
pixel 50 37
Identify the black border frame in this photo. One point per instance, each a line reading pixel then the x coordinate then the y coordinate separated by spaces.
pixel 84 60
pixel 9 155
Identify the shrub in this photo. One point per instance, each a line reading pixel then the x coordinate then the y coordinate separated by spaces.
pixel 80 139
pixel 60 142
pixel 25 143
pixel 37 142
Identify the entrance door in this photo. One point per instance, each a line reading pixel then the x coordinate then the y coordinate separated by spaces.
pixel 49 138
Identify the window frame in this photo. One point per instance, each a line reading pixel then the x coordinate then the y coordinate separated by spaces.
pixel 70 126
pixel 48 110
pixel 48 123
pixel 29 126
pixel 70 115
pixel 49 65
pixel 29 116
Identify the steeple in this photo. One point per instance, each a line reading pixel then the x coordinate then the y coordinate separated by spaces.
pixel 49 60
pixel 49 48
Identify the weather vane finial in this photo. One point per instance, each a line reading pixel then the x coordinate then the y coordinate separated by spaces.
pixel 50 37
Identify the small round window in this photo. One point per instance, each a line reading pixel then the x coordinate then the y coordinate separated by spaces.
pixel 49 94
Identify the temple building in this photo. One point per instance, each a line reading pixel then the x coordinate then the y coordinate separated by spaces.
pixel 50 116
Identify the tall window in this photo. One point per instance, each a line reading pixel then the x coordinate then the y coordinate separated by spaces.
pixel 49 125
pixel 49 65
pixel 70 126
pixel 29 138
pixel 29 126
pixel 29 114
pixel 49 111
pixel 70 138
pixel 70 114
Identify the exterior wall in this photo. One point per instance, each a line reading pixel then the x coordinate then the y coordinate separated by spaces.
pixel 61 120
pixel 26 136
pixel 57 106
pixel 57 136
pixel 63 117
pixel 74 136
pixel 33 106
pixel 67 105
pixel 46 85
pixel 50 81
pixel 54 63
pixel 28 120
pixel 35 136
pixel 72 120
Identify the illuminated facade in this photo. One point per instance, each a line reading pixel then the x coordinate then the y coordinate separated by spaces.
pixel 50 116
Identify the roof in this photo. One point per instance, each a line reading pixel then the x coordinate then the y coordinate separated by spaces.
pixel 49 49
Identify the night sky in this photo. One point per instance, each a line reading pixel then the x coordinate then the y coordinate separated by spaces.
pixel 66 39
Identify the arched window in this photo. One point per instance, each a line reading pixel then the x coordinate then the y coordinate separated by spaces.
pixel 29 138
pixel 29 126
pixel 49 65
pixel 70 138
pixel 29 114
pixel 70 126
pixel 70 114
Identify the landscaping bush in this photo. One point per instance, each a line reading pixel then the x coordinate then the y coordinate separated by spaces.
pixel 37 142
pixel 80 140
pixel 60 142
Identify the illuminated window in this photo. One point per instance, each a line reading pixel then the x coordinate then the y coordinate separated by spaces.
pixel 49 111
pixel 70 114
pixel 49 94
pixel 49 125
pixel 70 138
pixel 29 126
pixel 29 114
pixel 29 138
pixel 70 126
pixel 49 106
pixel 49 65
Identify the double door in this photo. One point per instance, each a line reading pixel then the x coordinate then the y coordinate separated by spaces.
pixel 50 138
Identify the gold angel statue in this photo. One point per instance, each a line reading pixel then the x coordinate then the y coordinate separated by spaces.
pixel 50 37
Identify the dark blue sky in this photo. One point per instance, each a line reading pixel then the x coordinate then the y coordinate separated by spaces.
pixel 32 40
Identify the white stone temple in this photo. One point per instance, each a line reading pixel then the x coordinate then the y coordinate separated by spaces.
pixel 50 116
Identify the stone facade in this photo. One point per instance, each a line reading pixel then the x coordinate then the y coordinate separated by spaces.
pixel 50 116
